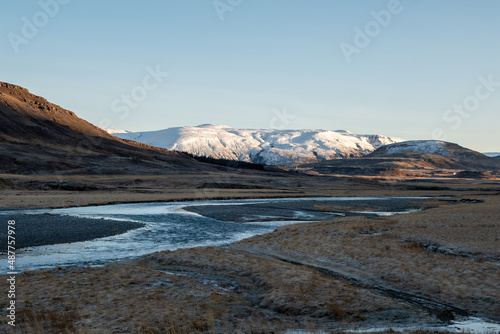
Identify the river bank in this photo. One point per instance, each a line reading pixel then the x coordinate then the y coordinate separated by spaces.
pixel 417 270
pixel 47 229
pixel 96 234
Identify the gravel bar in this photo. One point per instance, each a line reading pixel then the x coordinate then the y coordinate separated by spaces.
pixel 306 210
pixel 48 229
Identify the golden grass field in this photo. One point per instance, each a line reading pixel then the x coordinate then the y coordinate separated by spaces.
pixel 331 275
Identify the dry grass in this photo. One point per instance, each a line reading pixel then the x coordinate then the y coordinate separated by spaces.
pixel 281 287
pixel 43 191
pixel 116 299
pixel 325 208
pixel 41 321
pixel 245 288
pixel 204 289
pixel 462 271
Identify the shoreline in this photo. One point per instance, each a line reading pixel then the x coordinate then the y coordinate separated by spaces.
pixel 284 268
pixel 298 272
pixel 401 194
pixel 223 198
pixel 44 229
pixel 47 229
pixel 31 191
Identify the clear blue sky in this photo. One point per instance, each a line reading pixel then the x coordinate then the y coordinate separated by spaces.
pixel 263 58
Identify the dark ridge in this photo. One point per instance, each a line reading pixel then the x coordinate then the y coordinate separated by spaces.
pixel 37 136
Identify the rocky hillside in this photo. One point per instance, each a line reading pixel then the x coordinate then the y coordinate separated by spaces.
pixel 39 136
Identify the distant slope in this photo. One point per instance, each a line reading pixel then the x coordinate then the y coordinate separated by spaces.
pixel 416 156
pixel 270 147
pixel 38 136
pixel 439 154
pixel 493 154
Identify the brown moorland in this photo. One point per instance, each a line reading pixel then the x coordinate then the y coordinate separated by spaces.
pixel 421 268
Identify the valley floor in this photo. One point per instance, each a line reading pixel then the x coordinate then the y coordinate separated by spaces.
pixel 58 191
pixel 423 268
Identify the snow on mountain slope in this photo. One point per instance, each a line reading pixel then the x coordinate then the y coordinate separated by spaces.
pixel 437 154
pixel 268 146
pixel 116 131
pixel 420 147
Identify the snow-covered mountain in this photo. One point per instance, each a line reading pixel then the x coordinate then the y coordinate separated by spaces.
pixel 418 148
pixel 412 157
pixel 493 154
pixel 268 146
pixel 438 154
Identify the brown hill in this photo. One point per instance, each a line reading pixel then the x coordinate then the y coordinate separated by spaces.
pixel 438 154
pixel 410 158
pixel 39 136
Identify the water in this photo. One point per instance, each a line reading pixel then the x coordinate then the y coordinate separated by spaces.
pixel 470 325
pixel 168 227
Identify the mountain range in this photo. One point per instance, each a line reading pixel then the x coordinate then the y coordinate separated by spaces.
pixel 37 136
pixel 320 151
pixel 262 146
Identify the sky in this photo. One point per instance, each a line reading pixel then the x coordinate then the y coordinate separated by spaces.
pixel 422 69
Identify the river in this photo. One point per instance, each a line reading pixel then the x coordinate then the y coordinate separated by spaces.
pixel 170 226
